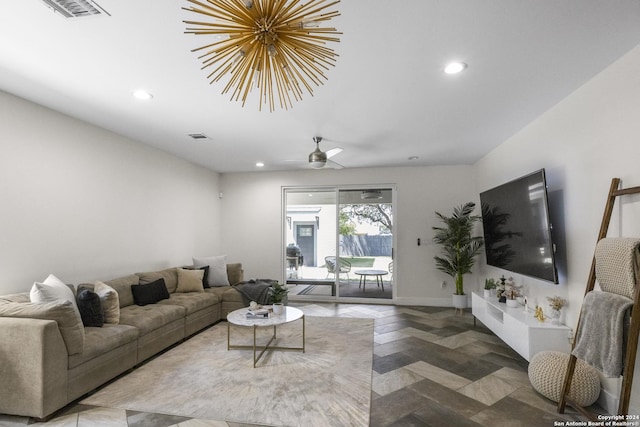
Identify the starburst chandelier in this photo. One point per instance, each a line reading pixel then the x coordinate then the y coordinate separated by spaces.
pixel 276 46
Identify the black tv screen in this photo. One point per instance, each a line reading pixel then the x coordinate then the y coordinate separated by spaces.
pixel 517 230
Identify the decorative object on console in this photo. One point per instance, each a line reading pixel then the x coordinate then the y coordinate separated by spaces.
pixel 459 247
pixel 501 290
pixel 539 314
pixel 489 286
pixel 266 43
pixel 556 303
pixel 512 292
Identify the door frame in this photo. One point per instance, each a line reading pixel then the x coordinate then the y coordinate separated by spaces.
pixel 337 188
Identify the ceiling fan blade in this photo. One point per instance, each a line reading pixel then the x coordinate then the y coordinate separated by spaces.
pixel 333 152
pixel 334 165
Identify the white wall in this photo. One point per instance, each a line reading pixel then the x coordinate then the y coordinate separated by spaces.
pixel 583 142
pixel 252 218
pixel 85 204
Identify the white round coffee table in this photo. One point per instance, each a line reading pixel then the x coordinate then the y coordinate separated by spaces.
pixel 239 318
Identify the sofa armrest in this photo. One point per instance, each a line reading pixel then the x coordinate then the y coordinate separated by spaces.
pixel 33 367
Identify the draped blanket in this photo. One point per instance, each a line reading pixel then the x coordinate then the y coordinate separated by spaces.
pixel 255 290
pixel 599 342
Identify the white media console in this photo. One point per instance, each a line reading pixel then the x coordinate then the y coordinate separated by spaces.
pixel 519 329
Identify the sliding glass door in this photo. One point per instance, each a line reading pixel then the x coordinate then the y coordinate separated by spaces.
pixel 366 243
pixel 310 239
pixel 338 243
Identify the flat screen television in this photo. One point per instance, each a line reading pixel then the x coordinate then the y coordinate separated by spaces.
pixel 517 230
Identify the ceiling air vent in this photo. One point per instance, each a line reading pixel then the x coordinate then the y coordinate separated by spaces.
pixel 76 8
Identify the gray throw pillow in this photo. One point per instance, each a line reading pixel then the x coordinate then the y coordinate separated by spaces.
pixel 217 269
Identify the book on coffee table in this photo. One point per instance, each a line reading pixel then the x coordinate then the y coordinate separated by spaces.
pixel 258 314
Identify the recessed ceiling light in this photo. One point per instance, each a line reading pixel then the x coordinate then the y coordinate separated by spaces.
pixel 413 158
pixel 142 94
pixel 259 164
pixel 455 67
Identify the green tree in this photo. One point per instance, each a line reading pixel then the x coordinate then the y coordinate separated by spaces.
pixel 373 213
pixel 347 227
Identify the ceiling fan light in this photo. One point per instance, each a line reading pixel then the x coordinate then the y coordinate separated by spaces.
pixel 317 165
pixel 317 159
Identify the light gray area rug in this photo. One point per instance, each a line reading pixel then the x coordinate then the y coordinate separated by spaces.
pixel 328 385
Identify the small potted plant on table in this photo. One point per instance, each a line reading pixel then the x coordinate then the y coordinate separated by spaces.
pixel 278 296
pixel 489 286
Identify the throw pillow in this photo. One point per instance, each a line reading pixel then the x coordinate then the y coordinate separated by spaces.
pixel 205 278
pixel 190 280
pixel 90 308
pixel 217 269
pixel 150 293
pixel 51 289
pixel 110 302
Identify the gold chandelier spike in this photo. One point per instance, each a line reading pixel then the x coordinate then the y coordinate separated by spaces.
pixel 275 46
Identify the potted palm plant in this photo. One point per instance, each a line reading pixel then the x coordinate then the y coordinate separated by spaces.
pixel 459 247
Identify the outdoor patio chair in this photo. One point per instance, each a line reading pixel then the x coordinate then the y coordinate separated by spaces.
pixel 330 263
pixel 391 271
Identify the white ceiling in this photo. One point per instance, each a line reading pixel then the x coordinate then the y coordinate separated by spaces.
pixel 387 98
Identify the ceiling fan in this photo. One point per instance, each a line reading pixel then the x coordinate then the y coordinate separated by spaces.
pixel 319 159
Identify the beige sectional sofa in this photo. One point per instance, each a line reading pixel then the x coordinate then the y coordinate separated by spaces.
pixel 48 361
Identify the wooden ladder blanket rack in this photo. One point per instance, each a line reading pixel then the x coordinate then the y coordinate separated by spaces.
pixel 634 329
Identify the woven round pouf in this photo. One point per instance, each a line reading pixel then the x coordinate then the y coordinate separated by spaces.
pixel 547 370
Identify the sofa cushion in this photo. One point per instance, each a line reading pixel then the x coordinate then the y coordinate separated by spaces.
pixel 217 269
pixel 226 294
pixel 190 280
pixel 20 297
pixel 90 308
pixel 191 301
pixel 122 286
pixel 148 318
pixel 110 302
pixel 205 277
pixel 101 340
pixel 170 276
pixel 150 293
pixel 62 312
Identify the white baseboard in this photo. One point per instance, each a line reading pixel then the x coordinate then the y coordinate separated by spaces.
pixel 433 302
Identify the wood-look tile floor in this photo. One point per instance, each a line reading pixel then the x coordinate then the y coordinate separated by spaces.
pixel 431 367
